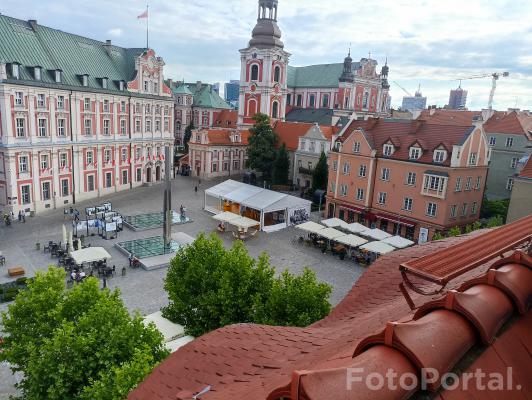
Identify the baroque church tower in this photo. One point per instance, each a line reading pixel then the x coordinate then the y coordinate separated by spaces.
pixel 263 71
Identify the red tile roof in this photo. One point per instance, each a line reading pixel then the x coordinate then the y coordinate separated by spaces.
pixel 247 361
pixel 526 172
pixel 449 117
pixel 225 119
pixel 511 123
pixel 290 132
pixel 223 137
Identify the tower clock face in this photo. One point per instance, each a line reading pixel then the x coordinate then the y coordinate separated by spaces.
pixel 253 88
pixel 276 88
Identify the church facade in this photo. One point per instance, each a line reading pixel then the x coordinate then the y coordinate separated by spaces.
pixel 268 84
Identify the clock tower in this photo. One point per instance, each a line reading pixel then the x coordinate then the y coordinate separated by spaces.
pixel 264 68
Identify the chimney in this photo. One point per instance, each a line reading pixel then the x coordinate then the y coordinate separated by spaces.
pixel 170 82
pixel 432 111
pixel 198 85
pixel 107 46
pixel 33 24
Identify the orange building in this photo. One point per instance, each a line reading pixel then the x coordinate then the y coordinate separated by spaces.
pixel 409 178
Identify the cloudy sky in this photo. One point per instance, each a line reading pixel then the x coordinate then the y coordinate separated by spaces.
pixel 427 42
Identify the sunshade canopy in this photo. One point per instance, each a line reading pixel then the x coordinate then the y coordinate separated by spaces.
pixel 331 233
pixel 355 227
pixel 335 222
pixel 378 247
pixel 243 222
pixel 226 216
pixel 376 234
pixel 398 241
pixel 351 240
pixel 310 226
pixel 90 254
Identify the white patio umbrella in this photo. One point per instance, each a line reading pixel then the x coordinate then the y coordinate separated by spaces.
pixel 398 241
pixel 331 233
pixel 355 227
pixel 334 222
pixel 376 234
pixel 64 236
pixel 70 242
pixel 310 226
pixel 378 247
pixel 351 240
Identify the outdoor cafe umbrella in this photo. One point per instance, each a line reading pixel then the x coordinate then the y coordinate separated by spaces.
pixel 335 222
pixel 398 241
pixel 377 247
pixel 351 240
pixel 376 234
pixel 331 233
pixel 310 226
pixel 64 236
pixel 70 242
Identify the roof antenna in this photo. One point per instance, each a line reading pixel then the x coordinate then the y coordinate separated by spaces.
pixel 349 53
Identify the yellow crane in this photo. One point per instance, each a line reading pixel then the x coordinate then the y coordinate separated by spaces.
pixel 494 78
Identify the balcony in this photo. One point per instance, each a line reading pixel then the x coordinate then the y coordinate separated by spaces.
pixel 306 171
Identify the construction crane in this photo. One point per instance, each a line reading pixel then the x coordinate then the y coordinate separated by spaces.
pixel 494 78
pixel 403 89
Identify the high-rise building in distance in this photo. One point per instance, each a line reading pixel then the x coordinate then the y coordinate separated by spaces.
pixel 417 102
pixel 231 92
pixel 457 99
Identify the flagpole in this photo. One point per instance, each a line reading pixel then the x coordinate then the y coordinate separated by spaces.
pixel 147 27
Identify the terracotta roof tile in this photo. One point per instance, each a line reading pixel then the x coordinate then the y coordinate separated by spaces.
pixel 449 117
pixel 223 137
pixel 510 123
pixel 290 132
pixel 225 119
pixel 526 172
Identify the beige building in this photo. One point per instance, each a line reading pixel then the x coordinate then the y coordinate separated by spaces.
pixel 521 200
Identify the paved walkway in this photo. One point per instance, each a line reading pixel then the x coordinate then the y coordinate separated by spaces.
pixel 143 290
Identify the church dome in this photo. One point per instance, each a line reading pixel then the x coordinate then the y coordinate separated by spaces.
pixel 266 34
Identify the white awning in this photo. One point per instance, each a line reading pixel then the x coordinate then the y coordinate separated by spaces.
pixel 225 216
pixel 375 233
pixel 169 329
pixel 310 226
pixel 289 202
pixel 263 199
pixel 355 227
pixel 90 254
pixel 398 241
pixel 335 222
pixel 378 247
pixel 331 233
pixel 224 188
pixel 244 222
pixel 182 238
pixel 242 193
pixel 351 240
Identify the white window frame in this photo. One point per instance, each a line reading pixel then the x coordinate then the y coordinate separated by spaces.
pixel 509 141
pixel 473 158
pixel 44 161
pixel 61 125
pixel 458 184
pixel 107 156
pixel 432 209
pixel 453 211
pixel 63 160
pixel 343 190
pixel 87 104
pixel 123 129
pixel 65 190
pixel 510 184
pixel 356 147
pixel 89 157
pixel 91 183
pixel 346 168
pixel 109 183
pixel 60 102
pixel 493 141
pixel 360 194
pixel 22 194
pixel 411 178
pixel 382 198
pixel 439 156
pixel 414 153
pixel 385 174
pixel 23 163
pixel 106 127
pixel 468 184
pixel 87 126
pixel 19 98
pixel 48 191
pixel 362 170
pixel 42 127
pixel 123 154
pixel 387 149
pixel 20 127
pixel 477 184
pixel 41 100
pixel 106 106
pixel 407 203
pixel 513 162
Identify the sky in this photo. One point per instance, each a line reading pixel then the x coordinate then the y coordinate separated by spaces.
pixel 431 43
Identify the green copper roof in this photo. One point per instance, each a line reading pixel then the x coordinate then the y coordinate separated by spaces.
pixel 180 88
pixel 203 94
pixel 75 55
pixel 321 75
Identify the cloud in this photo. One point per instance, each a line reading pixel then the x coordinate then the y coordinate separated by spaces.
pixel 115 32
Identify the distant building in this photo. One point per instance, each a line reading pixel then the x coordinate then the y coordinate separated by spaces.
pixel 232 92
pixel 457 99
pixel 520 204
pixel 216 87
pixel 412 103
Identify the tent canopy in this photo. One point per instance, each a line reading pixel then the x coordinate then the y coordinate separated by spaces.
pixel 169 329
pixel 310 226
pixel 223 188
pixel 262 199
pixel 375 233
pixel 244 222
pixel 355 227
pixel 378 247
pixel 351 240
pixel 398 242
pixel 90 254
pixel 225 216
pixel 335 222
pixel 331 233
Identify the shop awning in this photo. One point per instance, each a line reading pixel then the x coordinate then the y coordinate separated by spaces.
pixel 355 227
pixel 351 240
pixel 334 222
pixel 353 208
pixel 398 242
pixel 90 254
pixel 244 222
pixel 331 233
pixel 378 247
pixel 225 216
pixel 396 219
pixel 310 226
pixel 376 234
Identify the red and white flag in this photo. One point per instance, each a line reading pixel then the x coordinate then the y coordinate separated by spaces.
pixel 143 15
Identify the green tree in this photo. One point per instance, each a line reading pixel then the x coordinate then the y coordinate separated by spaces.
pixel 320 174
pixel 495 221
pixel 492 208
pixel 188 135
pixel 70 342
pixel 281 165
pixel 261 149
pixel 209 287
pixel 437 236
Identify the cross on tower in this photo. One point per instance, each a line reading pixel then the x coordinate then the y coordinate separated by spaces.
pixel 369 55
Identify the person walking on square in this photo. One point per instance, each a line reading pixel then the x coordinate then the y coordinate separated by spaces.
pixel 23 216
pixel 20 216
pixel 196 189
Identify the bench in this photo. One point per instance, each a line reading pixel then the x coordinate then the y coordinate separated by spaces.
pixel 16 271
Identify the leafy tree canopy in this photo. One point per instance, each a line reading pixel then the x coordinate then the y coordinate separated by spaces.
pixel 188 135
pixel 320 174
pixel 281 166
pixel 261 148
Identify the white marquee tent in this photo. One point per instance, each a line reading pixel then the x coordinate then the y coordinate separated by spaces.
pixel 355 227
pixel 335 222
pixel 375 233
pixel 89 254
pixel 351 240
pixel 276 210
pixel 310 226
pixel 378 247
pixel 398 242
pixel 331 233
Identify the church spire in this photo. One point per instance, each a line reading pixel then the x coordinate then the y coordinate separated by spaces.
pixel 266 33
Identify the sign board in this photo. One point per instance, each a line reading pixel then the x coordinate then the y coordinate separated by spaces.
pixel 110 226
pixel 423 235
pixel 298 215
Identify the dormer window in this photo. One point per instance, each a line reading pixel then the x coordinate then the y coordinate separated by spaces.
pixel 356 147
pixel 15 71
pixel 414 153
pixel 439 156
pixel 37 73
pixel 104 83
pixel 387 150
pixel 58 76
pixel 121 85
pixel 85 80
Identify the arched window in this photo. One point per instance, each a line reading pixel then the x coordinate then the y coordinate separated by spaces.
pixel 275 109
pixel 325 101
pixel 277 74
pixel 252 107
pixel 254 72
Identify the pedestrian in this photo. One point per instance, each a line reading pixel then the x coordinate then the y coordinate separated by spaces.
pixel 23 216
pixel 199 182
pixel 196 189
pixel 19 215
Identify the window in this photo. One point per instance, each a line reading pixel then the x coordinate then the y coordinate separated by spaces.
pixel 106 106
pixel 148 125
pixel 124 177
pixel 312 100
pixel 477 185
pixel 214 167
pixel 155 88
pixel 37 73
pixel 343 190
pixel 431 209
pixel 346 102
pixel 87 104
pixel 360 194
pixel 468 183
pixel 123 106
pixel 137 153
pixel 347 168
pixel 325 101
pixel 407 204
pixel 23 164
pixel 473 208
pixel 493 140
pixel 87 123
pixel 356 147
pixel 453 211
pixel 333 187
pixel 411 178
pixel 44 162
pixel 64 187
pixel 303 145
pixel 464 209
pixel 89 157
pixel 42 127
pixel 21 131
pixel 40 100
pixel 104 83
pixel 60 102
pixel 123 154
pixel 106 127
pixel 365 100
pixel 45 193
pixel 458 184
pixel 275 109
pixel 312 146
pixel 473 159
pixel 58 76
pixel 122 126
pixel 25 194
pixel 299 100
pixel 385 174
pixel 387 150
pixel 254 72
pixel 157 125
pixel 90 183
pixel 15 71
pixel 415 153
pixel 288 99
pixel 61 122
pixel 277 74
pixel 382 198
pixel 435 182
pixel 362 170
pixel 509 142
pixel 335 165
pixel 137 108
pixel 85 80
pixel 108 179
pixel 513 163
pixel 139 174
pixel 63 159
pixel 137 125
pixel 145 86
pixel 107 156
pixel 19 98
pixel 439 156
pixel 166 124
pixel 510 184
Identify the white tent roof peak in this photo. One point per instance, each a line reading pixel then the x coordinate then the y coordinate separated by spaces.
pixel 398 241
pixel 331 233
pixel 378 247
pixel 376 234
pixel 310 226
pixel 335 222
pixel 355 227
